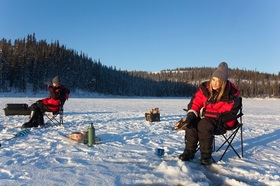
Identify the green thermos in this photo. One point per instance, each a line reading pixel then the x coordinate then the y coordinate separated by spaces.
pixel 91 135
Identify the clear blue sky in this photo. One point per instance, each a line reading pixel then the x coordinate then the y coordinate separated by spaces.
pixel 153 35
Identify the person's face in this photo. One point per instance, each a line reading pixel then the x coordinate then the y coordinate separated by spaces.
pixel 54 84
pixel 216 83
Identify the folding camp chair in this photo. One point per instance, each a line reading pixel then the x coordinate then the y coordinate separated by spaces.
pixel 52 116
pixel 230 138
pixel 56 118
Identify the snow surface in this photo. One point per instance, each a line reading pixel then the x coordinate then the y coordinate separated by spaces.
pixel 126 153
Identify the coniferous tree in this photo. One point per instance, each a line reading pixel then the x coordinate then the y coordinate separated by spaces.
pixel 31 63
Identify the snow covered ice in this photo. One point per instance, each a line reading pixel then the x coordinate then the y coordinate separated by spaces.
pixel 126 153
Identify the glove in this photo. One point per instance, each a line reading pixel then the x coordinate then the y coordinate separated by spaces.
pixel 226 116
pixel 50 88
pixel 190 118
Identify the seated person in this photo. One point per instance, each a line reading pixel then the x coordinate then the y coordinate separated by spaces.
pixel 58 95
pixel 212 110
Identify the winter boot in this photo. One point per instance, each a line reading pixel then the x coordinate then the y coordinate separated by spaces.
pixel 33 122
pixel 189 152
pixel 30 124
pixel 40 118
pixel 206 151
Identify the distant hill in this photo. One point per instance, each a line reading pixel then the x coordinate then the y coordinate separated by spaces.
pixel 250 83
pixel 29 65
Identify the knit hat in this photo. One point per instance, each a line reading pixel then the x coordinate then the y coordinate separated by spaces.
pixel 56 80
pixel 221 72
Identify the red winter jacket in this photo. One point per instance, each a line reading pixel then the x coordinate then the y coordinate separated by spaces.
pixel 224 111
pixel 57 97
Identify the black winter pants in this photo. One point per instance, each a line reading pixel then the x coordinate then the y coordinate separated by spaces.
pixel 201 129
pixel 40 106
pixel 38 109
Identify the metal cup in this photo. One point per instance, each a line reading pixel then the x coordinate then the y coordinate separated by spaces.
pixel 159 152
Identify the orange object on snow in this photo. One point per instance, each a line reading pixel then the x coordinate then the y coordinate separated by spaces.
pixel 76 136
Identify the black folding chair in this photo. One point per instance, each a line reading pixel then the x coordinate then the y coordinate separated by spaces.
pixel 56 118
pixel 230 138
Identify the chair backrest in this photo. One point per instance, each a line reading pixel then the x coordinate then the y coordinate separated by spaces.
pixel 62 103
pixel 240 114
pixel 64 95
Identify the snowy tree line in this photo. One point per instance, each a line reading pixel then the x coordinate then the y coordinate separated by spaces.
pixel 29 65
pixel 250 83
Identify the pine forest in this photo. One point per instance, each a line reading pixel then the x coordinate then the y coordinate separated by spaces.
pixel 28 65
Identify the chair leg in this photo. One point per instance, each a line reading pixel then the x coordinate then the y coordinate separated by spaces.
pixel 61 117
pixel 214 144
pixel 60 120
pixel 229 140
pixel 55 121
pixel 229 145
pixel 241 138
pixel 226 140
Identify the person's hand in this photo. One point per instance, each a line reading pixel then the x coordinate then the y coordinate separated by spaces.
pixel 50 88
pixel 190 118
pixel 226 116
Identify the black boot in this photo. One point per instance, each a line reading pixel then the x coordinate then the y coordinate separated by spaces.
pixel 30 124
pixel 33 122
pixel 40 118
pixel 189 152
pixel 206 151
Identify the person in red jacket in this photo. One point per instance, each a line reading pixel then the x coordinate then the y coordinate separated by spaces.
pixel 58 94
pixel 212 110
